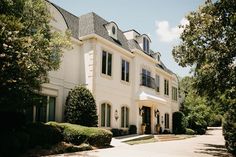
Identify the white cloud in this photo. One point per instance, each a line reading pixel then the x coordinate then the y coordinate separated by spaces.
pixel 166 33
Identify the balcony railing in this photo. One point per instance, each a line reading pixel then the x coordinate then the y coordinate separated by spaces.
pixel 147 81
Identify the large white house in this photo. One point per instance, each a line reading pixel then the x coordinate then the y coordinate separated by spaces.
pixel 128 80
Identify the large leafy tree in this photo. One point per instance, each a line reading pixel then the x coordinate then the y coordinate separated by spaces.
pixel 29 49
pixel 209 46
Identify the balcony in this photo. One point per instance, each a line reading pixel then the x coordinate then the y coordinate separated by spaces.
pixel 147 81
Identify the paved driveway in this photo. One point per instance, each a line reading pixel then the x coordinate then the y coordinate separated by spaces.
pixel 209 145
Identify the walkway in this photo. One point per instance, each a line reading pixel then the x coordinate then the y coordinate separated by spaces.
pixel 209 145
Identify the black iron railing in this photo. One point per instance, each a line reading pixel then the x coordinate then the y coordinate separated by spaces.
pixel 147 81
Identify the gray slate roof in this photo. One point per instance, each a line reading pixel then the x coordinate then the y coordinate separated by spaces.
pixel 72 21
pixel 91 23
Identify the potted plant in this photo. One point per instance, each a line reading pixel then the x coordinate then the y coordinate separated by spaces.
pixel 158 128
pixel 143 127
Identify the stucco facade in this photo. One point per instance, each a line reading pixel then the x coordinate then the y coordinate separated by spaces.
pixel 110 64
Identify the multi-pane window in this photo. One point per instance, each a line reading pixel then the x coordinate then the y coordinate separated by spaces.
pixel 174 93
pixel 105 115
pixel 124 117
pixel 167 123
pixel 45 111
pixel 166 87
pixel 125 70
pixel 106 63
pixel 157 83
pixel 146 78
pixel 145 45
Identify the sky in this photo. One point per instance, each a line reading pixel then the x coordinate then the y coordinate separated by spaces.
pixel 157 18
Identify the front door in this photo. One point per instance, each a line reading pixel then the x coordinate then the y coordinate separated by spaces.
pixel 147 119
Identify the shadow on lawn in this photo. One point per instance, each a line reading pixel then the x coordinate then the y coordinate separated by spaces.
pixel 214 150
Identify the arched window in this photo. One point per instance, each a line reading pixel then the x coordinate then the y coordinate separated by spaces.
pixel 124 117
pixel 167 121
pixel 105 115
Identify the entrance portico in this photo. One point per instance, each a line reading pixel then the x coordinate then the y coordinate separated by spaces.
pixel 152 110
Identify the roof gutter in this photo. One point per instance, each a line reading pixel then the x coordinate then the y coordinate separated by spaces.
pixel 107 42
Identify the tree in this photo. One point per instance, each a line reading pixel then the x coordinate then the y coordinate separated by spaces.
pixel 80 107
pixel 209 46
pixel 29 49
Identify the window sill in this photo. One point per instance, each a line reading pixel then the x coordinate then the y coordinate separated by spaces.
pixel 106 76
pixel 125 82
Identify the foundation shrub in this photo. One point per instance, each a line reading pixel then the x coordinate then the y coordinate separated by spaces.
pixel 80 107
pixel 119 132
pixel 132 129
pixel 43 135
pixel 77 134
pixel 166 132
pixel 13 143
pixel 179 123
pixel 189 131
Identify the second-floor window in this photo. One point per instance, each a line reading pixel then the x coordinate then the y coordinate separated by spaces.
pixel 166 87
pixel 106 63
pixel 125 70
pixel 157 83
pixel 145 45
pixel 174 93
pixel 146 78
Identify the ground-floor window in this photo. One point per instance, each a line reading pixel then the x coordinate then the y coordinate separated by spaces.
pixel 124 117
pixel 45 110
pixel 167 121
pixel 105 115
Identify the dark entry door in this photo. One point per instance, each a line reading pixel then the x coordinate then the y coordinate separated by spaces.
pixel 147 119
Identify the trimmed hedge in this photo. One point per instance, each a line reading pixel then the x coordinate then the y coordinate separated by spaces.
pixel 17 141
pixel 190 131
pixel 229 130
pixel 43 135
pixel 132 129
pixel 119 132
pixel 77 134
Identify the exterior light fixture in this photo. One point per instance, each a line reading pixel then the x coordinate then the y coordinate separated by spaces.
pixel 116 115
pixel 156 112
pixel 141 111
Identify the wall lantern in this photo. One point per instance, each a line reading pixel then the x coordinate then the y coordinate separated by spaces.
pixel 116 115
pixel 141 111
pixel 156 112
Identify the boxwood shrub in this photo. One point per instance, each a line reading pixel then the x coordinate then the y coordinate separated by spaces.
pixel 132 129
pixel 43 135
pixel 77 134
pixel 179 123
pixel 190 131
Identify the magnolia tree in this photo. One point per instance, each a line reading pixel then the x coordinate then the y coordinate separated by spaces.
pixel 29 49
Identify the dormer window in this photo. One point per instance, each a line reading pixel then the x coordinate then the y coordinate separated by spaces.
pixel 112 29
pixel 145 45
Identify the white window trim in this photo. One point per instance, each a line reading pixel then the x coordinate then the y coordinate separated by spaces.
pixel 112 66
pixel 106 104
pixel 124 81
pixel 125 116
